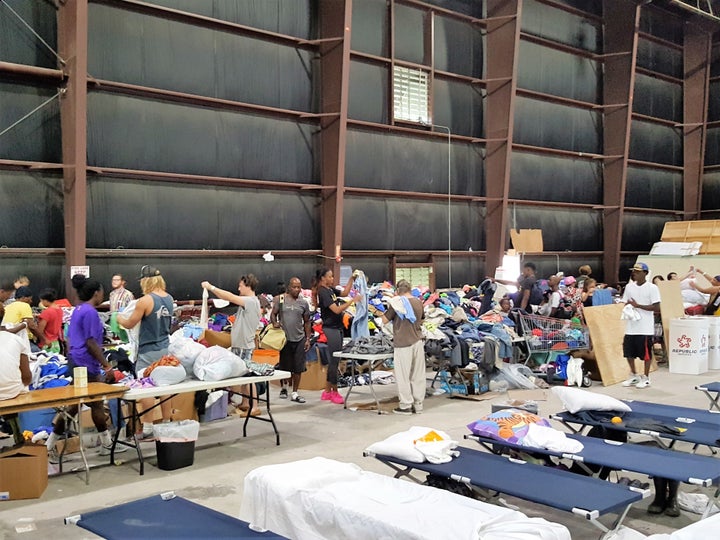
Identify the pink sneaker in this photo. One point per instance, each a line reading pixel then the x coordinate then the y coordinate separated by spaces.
pixel 326 396
pixel 335 397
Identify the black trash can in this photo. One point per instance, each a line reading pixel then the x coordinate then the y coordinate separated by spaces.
pixel 174 455
pixel 175 443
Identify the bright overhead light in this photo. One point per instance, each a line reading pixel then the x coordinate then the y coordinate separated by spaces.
pixel 269 257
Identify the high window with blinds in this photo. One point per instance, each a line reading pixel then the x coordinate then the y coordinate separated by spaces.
pixel 411 102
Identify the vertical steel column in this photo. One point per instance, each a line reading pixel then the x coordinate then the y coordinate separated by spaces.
pixel 335 22
pixel 620 39
pixel 72 45
pixel 503 42
pixel 697 49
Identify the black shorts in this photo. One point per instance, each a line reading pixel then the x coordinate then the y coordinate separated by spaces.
pixel 638 347
pixel 292 357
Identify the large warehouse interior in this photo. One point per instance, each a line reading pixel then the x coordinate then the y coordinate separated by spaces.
pixel 198 136
pixel 323 205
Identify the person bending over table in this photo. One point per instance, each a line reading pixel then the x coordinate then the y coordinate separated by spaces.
pixel 15 374
pixel 242 336
pixel 85 337
pixel 154 314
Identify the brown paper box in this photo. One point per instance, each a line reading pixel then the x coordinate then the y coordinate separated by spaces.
pixel 23 472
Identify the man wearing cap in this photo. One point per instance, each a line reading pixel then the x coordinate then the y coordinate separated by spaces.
pixel 645 298
pixel 154 314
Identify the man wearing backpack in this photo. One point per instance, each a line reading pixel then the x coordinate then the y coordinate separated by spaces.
pixel 527 293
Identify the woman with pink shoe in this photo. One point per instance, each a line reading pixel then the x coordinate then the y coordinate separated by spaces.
pixel 331 310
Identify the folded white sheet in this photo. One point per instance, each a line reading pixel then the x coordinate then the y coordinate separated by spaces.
pixel 322 499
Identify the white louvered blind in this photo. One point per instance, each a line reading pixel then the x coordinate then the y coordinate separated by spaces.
pixel 411 95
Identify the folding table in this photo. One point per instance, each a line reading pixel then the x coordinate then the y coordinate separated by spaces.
pixel 61 398
pixel 373 361
pixel 166 392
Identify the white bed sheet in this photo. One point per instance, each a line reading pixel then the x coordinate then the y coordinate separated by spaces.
pixel 323 499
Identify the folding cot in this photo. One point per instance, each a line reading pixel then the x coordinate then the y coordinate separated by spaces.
pixel 709 389
pixel 483 473
pixel 680 466
pixel 324 499
pixel 666 424
pixel 165 516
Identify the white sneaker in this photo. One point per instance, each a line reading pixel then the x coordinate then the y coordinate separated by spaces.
pixel 53 456
pixel 105 450
pixel 644 382
pixel 632 381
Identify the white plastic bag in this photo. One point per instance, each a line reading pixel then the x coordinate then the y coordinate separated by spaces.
pixel 182 431
pixel 695 502
pixel 216 364
pixel 186 350
pixel 517 376
pixel 133 333
pixel 167 375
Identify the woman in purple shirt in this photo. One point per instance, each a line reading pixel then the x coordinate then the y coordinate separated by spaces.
pixel 85 337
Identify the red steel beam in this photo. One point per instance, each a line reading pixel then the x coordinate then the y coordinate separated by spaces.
pixel 503 43
pixel 697 56
pixel 335 21
pixel 33 73
pixel 72 45
pixel 620 43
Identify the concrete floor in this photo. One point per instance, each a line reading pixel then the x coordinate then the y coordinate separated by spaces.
pixel 223 458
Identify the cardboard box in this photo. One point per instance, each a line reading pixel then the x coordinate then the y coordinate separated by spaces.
pixel 182 407
pixel 71 444
pixel 221 339
pixel 315 376
pixel 23 472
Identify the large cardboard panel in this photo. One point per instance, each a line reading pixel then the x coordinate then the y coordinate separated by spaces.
pixel 23 472
pixel 527 240
pixel 607 330
pixel 671 305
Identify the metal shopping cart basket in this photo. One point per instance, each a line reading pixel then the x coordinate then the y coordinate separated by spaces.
pixel 547 337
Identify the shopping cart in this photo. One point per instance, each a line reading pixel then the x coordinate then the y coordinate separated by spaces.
pixel 546 338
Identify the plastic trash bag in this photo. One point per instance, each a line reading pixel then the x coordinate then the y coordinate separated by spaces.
pixel 216 364
pixel 516 376
pixel 168 375
pixel 182 431
pixel 186 350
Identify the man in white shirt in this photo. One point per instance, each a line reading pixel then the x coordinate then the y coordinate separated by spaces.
pixel 645 298
pixel 14 365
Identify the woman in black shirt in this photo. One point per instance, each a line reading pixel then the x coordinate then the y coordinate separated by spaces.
pixel 331 310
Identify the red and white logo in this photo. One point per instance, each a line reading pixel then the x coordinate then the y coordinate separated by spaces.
pixel 684 342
